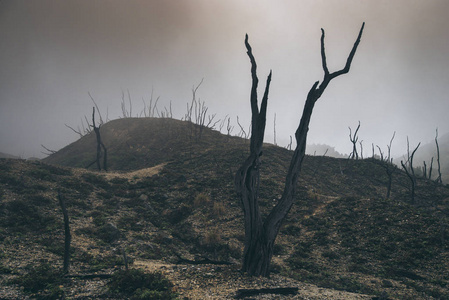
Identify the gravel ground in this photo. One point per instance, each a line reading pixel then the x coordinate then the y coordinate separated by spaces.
pixel 196 282
pixel 222 282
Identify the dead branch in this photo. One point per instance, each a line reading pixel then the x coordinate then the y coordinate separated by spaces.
pixel 49 151
pixel 76 131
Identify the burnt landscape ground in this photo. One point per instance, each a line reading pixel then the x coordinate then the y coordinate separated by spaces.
pixel 168 201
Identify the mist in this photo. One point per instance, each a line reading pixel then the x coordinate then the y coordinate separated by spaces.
pixel 53 53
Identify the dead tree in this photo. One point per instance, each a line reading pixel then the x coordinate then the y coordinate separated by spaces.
pixel 388 165
pixel 242 132
pixel 100 146
pixel 430 168
pixel 67 235
pixel 410 171
pixel 289 146
pixel 439 179
pixel 354 139
pixel 390 168
pixel 125 112
pixel 425 174
pixel 260 235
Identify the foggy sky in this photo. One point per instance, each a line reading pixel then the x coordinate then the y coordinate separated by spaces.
pixel 52 53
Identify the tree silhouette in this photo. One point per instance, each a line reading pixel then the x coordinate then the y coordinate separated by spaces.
pixel 438 180
pixel 387 164
pixel 354 154
pixel 260 235
pixel 100 146
pixel 410 171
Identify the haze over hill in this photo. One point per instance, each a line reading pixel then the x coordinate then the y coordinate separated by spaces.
pixel 149 147
pixel 5 155
pixel 54 52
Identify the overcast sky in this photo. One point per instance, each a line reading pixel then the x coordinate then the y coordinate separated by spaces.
pixel 52 53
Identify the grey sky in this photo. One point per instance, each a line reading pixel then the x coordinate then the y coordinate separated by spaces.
pixel 52 53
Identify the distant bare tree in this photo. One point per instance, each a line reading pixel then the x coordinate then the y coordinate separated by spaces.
pixel 408 168
pixel 229 127
pixel 126 113
pixel 289 146
pixel 260 235
pixel 222 123
pixel 197 113
pixel 85 129
pixel 439 179
pixel 152 108
pixel 388 165
pixel 100 146
pixel 427 174
pixel 188 115
pixel 430 168
pixel 354 139
pixel 242 132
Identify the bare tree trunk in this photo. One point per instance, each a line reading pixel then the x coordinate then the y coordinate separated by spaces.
pixel 354 139
pixel 67 235
pixel 390 168
pixel 412 181
pixel 430 168
pixel 100 145
pixel 260 235
pixel 411 173
pixel 439 179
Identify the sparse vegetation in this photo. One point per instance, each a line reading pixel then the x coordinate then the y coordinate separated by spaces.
pixel 138 285
pixel 342 234
pixel 201 200
pixel 42 282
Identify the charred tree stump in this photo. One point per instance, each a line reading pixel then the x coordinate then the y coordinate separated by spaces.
pixel 260 235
